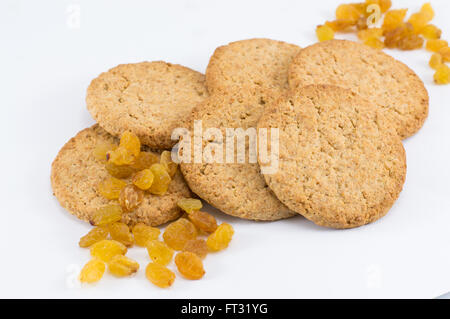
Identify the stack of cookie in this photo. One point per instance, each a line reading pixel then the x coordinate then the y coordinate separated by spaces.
pixel 340 109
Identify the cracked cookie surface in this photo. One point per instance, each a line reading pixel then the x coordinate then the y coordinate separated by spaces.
pixel 76 173
pixel 148 98
pixel 371 73
pixel 340 163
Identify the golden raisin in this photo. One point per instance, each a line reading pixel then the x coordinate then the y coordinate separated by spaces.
pixel 197 246
pixel 161 179
pixel 120 156
pixel 370 33
pixel 122 266
pixel 442 74
pixel 131 143
pixel 340 25
pixel 430 31
pixel 203 221
pixel 410 42
pixel 178 233
pixel 220 239
pixel 92 271
pixel 144 233
pixel 95 235
pixel 159 252
pixel 107 249
pixel 435 45
pixel 347 12
pixel 121 233
pixel 119 171
pixel 393 19
pixel 130 197
pixel 101 149
pixel 106 215
pixel 385 5
pixel 166 160
pixel 427 11
pixel 435 61
pixel 190 204
pixel 361 24
pixel 393 37
pixel 324 33
pixel 144 160
pixel 143 179
pixel 374 43
pixel 189 265
pixel 445 54
pixel 110 188
pixel 159 275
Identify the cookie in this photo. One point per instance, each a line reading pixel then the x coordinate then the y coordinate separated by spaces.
pixel 76 174
pixel 237 189
pixel 255 62
pixel 340 163
pixel 371 73
pixel 149 99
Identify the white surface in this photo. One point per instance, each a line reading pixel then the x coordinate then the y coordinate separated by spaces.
pixel 46 65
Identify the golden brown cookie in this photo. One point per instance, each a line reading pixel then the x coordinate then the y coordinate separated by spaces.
pixel 149 99
pixel 371 73
pixel 76 174
pixel 255 62
pixel 237 189
pixel 340 164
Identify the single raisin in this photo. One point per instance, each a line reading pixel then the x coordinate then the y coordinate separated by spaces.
pixel 92 271
pixel 111 187
pixel 121 233
pixel 95 235
pixel 144 233
pixel 435 45
pixel 203 221
pixel 190 204
pixel 166 160
pixel 347 12
pixel 410 42
pixel 189 265
pixel 159 275
pixel 107 249
pixel 324 33
pixel 101 149
pixel 130 197
pixel 143 179
pixel 161 179
pixel 442 74
pixel 106 215
pixel 120 156
pixel 430 31
pixel 393 19
pixel 122 266
pixel 435 61
pixel 177 234
pixel 340 25
pixel 220 239
pixel 131 143
pixel 119 171
pixel 159 252
pixel 445 54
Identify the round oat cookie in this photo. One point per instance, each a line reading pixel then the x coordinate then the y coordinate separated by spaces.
pixel 149 99
pixel 255 62
pixel 371 73
pixel 76 174
pixel 340 164
pixel 236 188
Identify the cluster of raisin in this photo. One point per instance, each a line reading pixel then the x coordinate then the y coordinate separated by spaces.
pixel 110 239
pixel 394 32
pixel 143 170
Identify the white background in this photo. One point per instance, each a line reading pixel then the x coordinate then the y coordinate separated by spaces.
pixel 46 64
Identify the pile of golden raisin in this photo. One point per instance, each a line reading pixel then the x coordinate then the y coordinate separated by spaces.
pixel 148 174
pixel 110 239
pixel 394 31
